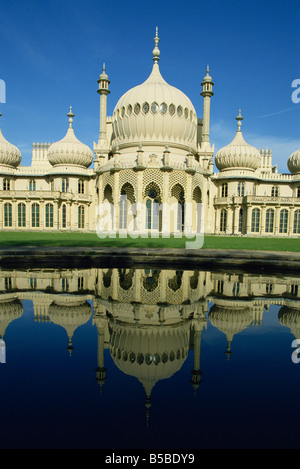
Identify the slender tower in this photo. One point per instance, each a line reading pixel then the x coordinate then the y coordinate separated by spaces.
pixel 103 91
pixel 207 93
pixel 101 149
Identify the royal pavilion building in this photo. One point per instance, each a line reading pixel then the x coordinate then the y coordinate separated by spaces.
pixel 151 170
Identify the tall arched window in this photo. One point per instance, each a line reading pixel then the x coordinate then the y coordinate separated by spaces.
pixel 255 222
pixel 80 216
pixel 123 211
pixel 32 185
pixel 6 184
pixel 80 186
pixel 152 214
pixel 297 221
pixel 224 189
pixel 241 220
pixel 283 224
pixel 270 220
pixel 65 185
pixel 223 220
pixel 152 207
pixel 49 215
pixel 241 189
pixel 7 214
pixel 21 215
pixel 35 215
pixel 64 216
pixel 180 212
pixel 275 191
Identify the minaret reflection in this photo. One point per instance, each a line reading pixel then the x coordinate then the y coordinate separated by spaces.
pixel 148 319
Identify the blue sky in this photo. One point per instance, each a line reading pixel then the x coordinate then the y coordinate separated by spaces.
pixel 52 52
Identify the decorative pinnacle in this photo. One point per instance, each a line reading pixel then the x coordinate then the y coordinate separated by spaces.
pixel 70 116
pixel 156 51
pixel 239 118
pixel 103 68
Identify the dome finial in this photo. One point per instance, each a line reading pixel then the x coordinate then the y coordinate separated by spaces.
pixel 70 116
pixel 156 51
pixel 239 118
pixel 103 68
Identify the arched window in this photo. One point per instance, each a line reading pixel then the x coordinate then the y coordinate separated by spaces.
pixel 65 185
pixel 49 215
pixel 80 216
pixel 241 220
pixel 224 189
pixel 283 224
pixel 7 214
pixel 255 222
pixel 80 186
pixel 21 215
pixel 241 189
pixel 152 214
pixel 123 211
pixel 180 212
pixel 35 215
pixel 297 222
pixel 152 207
pixel 223 220
pixel 270 220
pixel 64 216
pixel 32 185
pixel 298 192
pixel 275 191
pixel 6 184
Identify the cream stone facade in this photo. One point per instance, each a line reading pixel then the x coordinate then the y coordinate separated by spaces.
pixel 150 171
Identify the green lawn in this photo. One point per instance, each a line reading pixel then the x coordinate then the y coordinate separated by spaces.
pixel 91 239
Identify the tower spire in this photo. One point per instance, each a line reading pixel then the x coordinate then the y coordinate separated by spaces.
pixel 239 118
pixel 70 116
pixel 156 51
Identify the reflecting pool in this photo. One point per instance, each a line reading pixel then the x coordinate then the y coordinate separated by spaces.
pixel 145 358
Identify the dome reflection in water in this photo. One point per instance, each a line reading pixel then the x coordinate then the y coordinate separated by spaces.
pixel 148 358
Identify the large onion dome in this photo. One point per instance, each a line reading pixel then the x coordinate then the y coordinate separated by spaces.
pixel 238 154
pixel 10 155
pixel 69 150
pixel 294 162
pixel 154 113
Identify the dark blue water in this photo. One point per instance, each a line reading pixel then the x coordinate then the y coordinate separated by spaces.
pixel 50 397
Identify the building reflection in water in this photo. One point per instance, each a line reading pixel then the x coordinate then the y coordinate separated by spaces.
pixel 148 319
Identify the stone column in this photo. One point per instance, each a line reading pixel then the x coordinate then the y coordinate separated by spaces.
pixel 236 219
pixel 116 196
pixel 291 221
pixel 277 219
pixel 188 212
pixel 263 219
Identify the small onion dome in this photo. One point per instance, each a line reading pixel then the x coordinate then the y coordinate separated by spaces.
pixel 294 162
pixel 69 150
pixel 290 317
pixel 9 154
pixel 238 154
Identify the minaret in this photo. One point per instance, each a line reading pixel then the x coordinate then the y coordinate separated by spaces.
pixel 207 93
pixel 103 91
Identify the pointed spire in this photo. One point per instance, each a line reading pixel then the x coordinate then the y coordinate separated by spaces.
pixel 70 116
pixel 239 118
pixel 156 51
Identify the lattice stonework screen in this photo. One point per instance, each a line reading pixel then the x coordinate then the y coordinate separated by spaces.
pixel 152 175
